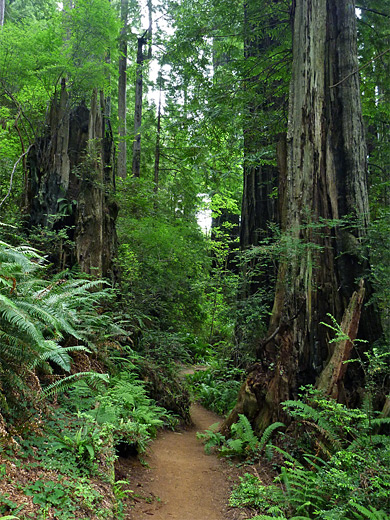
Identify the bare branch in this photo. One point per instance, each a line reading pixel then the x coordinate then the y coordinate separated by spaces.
pixel 12 174
pixel 360 68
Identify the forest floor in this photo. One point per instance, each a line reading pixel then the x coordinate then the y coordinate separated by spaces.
pixel 180 481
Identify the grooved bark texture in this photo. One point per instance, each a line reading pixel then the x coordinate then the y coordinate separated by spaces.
pixel 326 180
pixel 259 208
pixel 70 186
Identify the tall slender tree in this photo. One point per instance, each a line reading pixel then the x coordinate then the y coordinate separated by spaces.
pixel 122 90
pixel 142 41
pixel 2 12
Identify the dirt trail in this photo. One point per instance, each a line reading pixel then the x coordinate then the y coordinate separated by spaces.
pixel 184 482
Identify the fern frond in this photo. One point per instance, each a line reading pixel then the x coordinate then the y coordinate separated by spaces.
pixel 287 456
pixel 15 317
pixel 268 432
pixel 67 382
pixel 59 355
pixel 380 421
pixel 308 412
pixel 244 430
pixel 370 514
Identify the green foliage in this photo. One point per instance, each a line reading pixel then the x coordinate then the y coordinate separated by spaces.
pixel 82 446
pixel 37 316
pixel 217 387
pixel 171 252
pixel 165 347
pixel 67 498
pixel 122 411
pixel 211 438
pixel 242 442
pixel 351 480
pixel 52 494
pixel 250 493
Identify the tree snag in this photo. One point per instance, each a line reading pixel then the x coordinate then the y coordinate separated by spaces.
pixel 71 183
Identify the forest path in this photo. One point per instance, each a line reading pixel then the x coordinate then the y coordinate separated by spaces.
pixel 182 482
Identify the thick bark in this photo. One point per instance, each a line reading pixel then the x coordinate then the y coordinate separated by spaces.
pixel 50 165
pixel 326 181
pixel 71 180
pixel 122 86
pixel 95 216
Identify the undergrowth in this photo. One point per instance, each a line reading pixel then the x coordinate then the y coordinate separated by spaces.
pixel 72 396
pixel 217 387
pixel 336 466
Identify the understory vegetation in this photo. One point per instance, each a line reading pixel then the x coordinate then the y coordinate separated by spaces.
pixel 332 462
pixel 74 394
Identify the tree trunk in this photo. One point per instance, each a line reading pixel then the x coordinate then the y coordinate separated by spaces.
pixel 122 86
pixel 2 12
pixel 95 234
pixel 71 180
pixel 138 108
pixel 260 208
pixel 326 183
pixel 157 153
pixel 331 379
pixel 143 40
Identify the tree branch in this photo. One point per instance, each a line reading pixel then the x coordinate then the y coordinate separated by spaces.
pixel 359 69
pixel 12 174
pixel 372 11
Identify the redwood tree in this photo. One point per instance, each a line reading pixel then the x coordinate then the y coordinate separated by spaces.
pixel 326 211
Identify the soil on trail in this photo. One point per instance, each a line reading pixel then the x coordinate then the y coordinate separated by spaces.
pixel 182 482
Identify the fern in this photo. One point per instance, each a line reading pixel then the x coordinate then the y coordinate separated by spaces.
pixel 305 411
pixel 370 514
pixel 243 430
pixel 64 384
pixel 268 433
pixel 58 354
pixel 211 438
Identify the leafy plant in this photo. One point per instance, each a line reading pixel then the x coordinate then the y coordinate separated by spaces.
pixel 244 442
pixel 217 387
pixel 351 480
pixel 211 438
pixel 52 494
pixel 251 493
pixel 36 317
pixel 83 445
